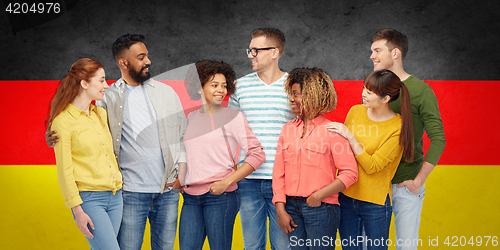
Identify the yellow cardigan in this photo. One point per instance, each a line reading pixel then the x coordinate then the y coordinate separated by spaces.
pixel 379 161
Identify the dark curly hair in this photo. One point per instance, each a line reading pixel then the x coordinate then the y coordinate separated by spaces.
pixel 318 92
pixel 204 71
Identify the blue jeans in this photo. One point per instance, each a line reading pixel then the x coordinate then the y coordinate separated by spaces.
pixel 356 214
pixel 208 215
pixel 407 207
pixel 316 225
pixel 161 209
pixel 256 206
pixel 105 211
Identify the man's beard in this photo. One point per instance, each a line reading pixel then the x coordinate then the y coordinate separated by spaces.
pixel 137 76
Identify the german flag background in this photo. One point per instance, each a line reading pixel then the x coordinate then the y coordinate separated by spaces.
pixel 452 46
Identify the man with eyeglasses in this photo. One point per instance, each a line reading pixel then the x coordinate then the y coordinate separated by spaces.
pixel 261 97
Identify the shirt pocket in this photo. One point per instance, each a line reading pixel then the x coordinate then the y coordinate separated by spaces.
pixel 288 154
pixel 313 155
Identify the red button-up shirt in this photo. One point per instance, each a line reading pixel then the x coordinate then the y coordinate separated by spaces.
pixel 304 165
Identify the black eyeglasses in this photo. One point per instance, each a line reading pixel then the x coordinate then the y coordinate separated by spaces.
pixel 255 51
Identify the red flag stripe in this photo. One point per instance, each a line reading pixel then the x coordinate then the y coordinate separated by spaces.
pixel 465 109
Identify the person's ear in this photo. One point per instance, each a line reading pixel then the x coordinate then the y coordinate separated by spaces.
pixel 122 63
pixel 276 53
pixel 396 53
pixel 84 84
pixel 386 99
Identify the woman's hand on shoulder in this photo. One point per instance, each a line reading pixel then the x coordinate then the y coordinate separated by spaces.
pixel 339 128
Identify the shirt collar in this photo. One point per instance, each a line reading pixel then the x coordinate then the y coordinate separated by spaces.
pixel 316 121
pixel 75 112
pixel 121 83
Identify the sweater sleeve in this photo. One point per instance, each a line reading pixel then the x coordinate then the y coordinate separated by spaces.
pixel 253 149
pixel 431 118
pixel 389 151
pixel 278 182
pixel 64 162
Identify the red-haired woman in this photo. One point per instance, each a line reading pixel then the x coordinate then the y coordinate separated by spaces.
pixel 378 137
pixel 88 173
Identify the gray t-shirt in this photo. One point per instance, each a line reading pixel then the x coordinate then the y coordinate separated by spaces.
pixel 141 157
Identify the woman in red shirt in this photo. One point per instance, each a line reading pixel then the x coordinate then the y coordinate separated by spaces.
pixel 308 157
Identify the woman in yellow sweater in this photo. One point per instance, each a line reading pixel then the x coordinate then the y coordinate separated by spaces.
pixel 378 137
pixel 88 173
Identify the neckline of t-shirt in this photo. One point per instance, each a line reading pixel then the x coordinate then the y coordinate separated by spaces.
pixel 275 82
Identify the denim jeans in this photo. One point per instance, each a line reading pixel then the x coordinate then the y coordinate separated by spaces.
pixel 316 226
pixel 407 207
pixel 256 206
pixel 356 214
pixel 208 215
pixel 161 209
pixel 105 211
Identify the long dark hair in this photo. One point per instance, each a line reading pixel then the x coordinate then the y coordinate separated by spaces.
pixel 385 82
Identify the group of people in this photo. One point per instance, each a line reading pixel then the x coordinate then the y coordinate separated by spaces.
pixel 126 159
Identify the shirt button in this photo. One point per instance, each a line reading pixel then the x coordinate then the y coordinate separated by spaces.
pixel 120 106
pixel 99 133
pixel 94 124
pixel 116 139
pixel 119 123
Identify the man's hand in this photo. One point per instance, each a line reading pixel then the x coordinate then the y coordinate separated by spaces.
pixel 49 139
pixel 284 219
pixel 416 184
pixel 412 185
pixel 175 185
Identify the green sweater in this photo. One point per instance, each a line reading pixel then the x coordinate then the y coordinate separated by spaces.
pixel 426 117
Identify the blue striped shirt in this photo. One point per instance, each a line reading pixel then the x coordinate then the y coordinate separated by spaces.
pixel 266 109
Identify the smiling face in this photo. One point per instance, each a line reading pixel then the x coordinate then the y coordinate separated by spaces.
pixel 138 62
pixel 370 99
pixel 214 90
pixel 296 98
pixel 96 85
pixel 381 56
pixel 264 58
